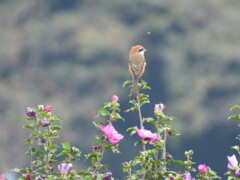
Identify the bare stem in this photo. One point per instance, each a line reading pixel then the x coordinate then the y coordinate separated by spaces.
pixel 141 126
pixel 164 148
pixel 158 136
pixel 141 121
pixel 47 153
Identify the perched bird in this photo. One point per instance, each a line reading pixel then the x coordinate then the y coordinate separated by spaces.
pixel 136 66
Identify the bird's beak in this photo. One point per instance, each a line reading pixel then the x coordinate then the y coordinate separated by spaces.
pixel 145 50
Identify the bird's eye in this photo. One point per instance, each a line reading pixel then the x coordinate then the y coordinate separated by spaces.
pixel 141 49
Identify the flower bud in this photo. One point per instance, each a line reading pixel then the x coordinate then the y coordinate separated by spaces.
pixel 31 113
pixel 115 98
pixel 27 176
pixel 47 108
pixel 188 153
pixel 108 176
pixel 169 132
pixel 158 108
pixel 55 133
pixel 42 140
pixel 237 172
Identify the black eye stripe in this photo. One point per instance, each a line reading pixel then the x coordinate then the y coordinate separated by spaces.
pixel 141 49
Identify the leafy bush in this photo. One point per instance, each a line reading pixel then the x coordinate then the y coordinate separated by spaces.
pixel 152 162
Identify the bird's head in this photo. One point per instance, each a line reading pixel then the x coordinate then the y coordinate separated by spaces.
pixel 138 49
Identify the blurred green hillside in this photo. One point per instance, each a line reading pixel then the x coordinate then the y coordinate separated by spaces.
pixel 73 56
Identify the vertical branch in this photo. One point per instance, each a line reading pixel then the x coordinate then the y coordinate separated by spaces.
pixel 33 153
pixel 141 126
pixel 140 119
pixel 47 152
pixel 158 136
pixel 139 112
pixel 164 147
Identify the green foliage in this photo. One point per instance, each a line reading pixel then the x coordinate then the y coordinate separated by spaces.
pixel 152 162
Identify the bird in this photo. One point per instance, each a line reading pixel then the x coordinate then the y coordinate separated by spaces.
pixel 136 67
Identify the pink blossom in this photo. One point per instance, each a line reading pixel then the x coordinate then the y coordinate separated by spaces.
pixel 159 107
pixel 202 168
pixel 115 98
pixel 232 162
pixel 237 172
pixel 147 135
pixel 64 168
pixel 187 176
pixel 111 133
pixel 2 177
pixel 47 108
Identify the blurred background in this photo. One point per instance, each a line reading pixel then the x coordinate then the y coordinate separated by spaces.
pixel 73 56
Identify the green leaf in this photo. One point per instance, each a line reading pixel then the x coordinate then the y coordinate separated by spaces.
pixel 64 153
pixel 235 107
pixel 136 143
pixel 30 118
pixel 237 117
pixel 103 112
pixel 132 128
pixel 237 148
pixel 107 104
pixel 126 82
pixel 56 128
pixel 57 120
pixel 21 178
pixel 52 147
pixel 66 145
pixel 39 152
pixel 30 127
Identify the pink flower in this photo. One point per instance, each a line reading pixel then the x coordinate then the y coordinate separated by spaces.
pixel 237 172
pixel 187 176
pixel 3 177
pixel 232 162
pixel 111 133
pixel 47 108
pixel 64 168
pixel 202 168
pixel 159 107
pixel 45 122
pixel 115 98
pixel 147 135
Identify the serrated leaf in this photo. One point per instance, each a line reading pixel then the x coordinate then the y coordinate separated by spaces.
pixel 57 120
pixel 56 128
pixel 64 153
pixel 103 112
pixel 52 147
pixel 66 145
pixel 107 104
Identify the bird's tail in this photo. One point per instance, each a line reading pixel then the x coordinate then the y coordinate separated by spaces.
pixel 134 93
